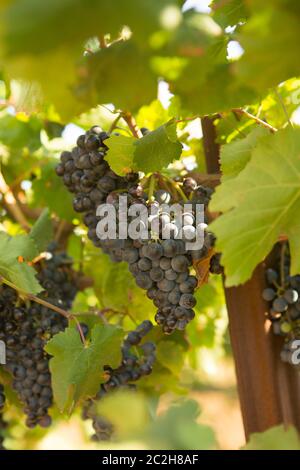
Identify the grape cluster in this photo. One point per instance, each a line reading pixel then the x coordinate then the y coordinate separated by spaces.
pixel 131 369
pixel 26 327
pixel 87 174
pixel 160 265
pixel 162 269
pixel 283 296
pixel 2 422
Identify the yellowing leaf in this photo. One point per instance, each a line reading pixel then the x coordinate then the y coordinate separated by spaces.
pixel 202 267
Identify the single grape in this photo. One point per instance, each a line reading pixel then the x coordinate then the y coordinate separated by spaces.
pixel 171 275
pixel 162 196
pixel 271 275
pixel 187 301
pixel 145 264
pixel 169 248
pixel 156 274
pixel 280 304
pixel 291 296
pixel 269 294
pixel 152 251
pixel 180 263
pixel 144 281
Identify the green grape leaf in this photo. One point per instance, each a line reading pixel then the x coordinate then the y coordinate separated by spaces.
pixel 42 231
pixel 236 154
pixel 275 54
pixel 120 154
pixel 15 252
pixel 259 205
pixel 210 324
pixel 126 410
pixel 120 74
pixel 32 27
pixel 177 428
pixel 126 297
pixel 157 149
pixel 48 191
pixel 281 102
pixel 152 116
pixel 77 370
pixel 20 131
pixel 36 38
pixel 229 13
pixel 206 88
pixel 276 438
pixel 171 356
pixel 152 152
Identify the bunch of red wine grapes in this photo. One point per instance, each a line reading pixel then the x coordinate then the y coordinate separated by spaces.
pixel 160 266
pixel 283 296
pixel 26 327
pixel 131 369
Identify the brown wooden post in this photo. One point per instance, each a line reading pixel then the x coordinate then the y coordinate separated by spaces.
pixel 269 390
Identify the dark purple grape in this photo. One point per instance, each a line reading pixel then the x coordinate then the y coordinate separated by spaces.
pixel 145 264
pixel 156 274
pixel 291 296
pixel 187 301
pixel 144 281
pixel 280 304
pixel 180 263
pixel 152 251
pixel 269 294
pixel 169 248
pixel 272 276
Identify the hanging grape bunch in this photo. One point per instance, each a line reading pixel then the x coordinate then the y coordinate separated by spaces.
pixel 282 295
pixel 26 327
pixel 132 368
pixel 160 266
pixel 86 174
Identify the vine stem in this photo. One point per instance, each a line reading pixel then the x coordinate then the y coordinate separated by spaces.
pixel 136 132
pixel 114 123
pixel 177 187
pixel 192 118
pixel 279 97
pixel 163 184
pixel 255 118
pixel 56 309
pixel 151 187
pixel 12 204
